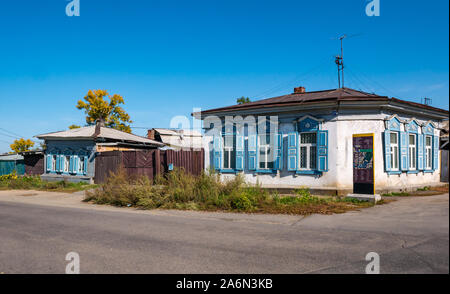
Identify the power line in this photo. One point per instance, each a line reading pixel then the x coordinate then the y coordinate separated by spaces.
pixel 283 85
pixel 15 134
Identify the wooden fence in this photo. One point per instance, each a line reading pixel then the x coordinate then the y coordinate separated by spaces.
pixel 34 164
pixel 147 163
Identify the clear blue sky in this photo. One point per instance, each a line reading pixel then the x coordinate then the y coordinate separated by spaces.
pixel 166 57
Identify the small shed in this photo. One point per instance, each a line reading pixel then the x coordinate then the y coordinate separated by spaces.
pixel 10 163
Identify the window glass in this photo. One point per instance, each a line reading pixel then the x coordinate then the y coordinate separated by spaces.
pixel 54 163
pixel 66 163
pixel 303 157
pixel 393 138
pixel 306 138
pixel 81 164
pixel 308 151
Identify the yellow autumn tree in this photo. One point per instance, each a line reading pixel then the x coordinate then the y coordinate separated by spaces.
pixel 98 104
pixel 22 145
pixel 71 127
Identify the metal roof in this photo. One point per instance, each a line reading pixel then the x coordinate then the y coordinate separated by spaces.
pixel 105 133
pixel 341 94
pixel 10 157
pixel 180 138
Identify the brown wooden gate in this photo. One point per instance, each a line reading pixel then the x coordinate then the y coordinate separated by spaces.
pixel 147 163
pixel 105 163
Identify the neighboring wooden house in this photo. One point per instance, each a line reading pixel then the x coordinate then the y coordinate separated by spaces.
pixel 71 154
pixel 177 139
pixel 339 140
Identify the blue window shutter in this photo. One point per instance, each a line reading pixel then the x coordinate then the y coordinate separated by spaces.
pixel 292 151
pixel 239 152
pixel 278 151
pixel 252 151
pixel 403 151
pixel 49 162
pixel 71 164
pixel 420 155
pixel 435 152
pixel 86 163
pixel 75 164
pixel 58 163
pixel 322 151
pixel 387 151
pixel 62 160
pixel 217 152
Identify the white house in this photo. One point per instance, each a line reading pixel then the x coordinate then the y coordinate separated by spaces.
pixel 339 140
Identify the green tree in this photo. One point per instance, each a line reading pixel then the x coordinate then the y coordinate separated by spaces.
pixel 243 100
pixel 98 104
pixel 22 145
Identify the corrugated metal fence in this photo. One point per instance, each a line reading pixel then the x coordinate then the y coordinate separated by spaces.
pixel 147 163
pixel 8 166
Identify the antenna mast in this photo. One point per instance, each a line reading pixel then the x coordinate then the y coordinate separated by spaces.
pixel 340 63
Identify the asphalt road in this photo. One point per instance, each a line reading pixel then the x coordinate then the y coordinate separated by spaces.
pixel 410 235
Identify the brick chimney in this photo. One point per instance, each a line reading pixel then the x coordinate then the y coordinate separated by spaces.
pixel 151 134
pixel 99 124
pixel 299 90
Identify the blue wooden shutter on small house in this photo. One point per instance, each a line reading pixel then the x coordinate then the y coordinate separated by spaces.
pixel 252 151
pixel 71 164
pixel 62 161
pixel 435 152
pixel 387 150
pixel 292 151
pixel 49 162
pixel 86 163
pixel 278 151
pixel 217 152
pixel 420 143
pixel 58 163
pixel 322 151
pixel 239 151
pixel 76 164
pixel 403 151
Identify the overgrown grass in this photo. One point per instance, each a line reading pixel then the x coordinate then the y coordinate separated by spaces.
pixel 179 190
pixel 14 182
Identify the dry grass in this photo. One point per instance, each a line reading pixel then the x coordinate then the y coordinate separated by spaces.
pixel 179 190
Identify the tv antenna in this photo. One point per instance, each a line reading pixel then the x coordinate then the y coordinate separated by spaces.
pixel 427 101
pixel 339 59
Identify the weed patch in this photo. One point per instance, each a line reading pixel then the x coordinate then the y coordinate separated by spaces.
pixel 14 182
pixel 179 190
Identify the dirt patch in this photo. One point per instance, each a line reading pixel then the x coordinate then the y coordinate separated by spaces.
pixel 29 194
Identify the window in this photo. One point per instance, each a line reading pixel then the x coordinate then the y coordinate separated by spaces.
pixel 265 154
pixel 229 155
pixel 66 164
pixel 394 150
pixel 428 152
pixel 308 151
pixel 81 164
pixel 412 152
pixel 54 162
